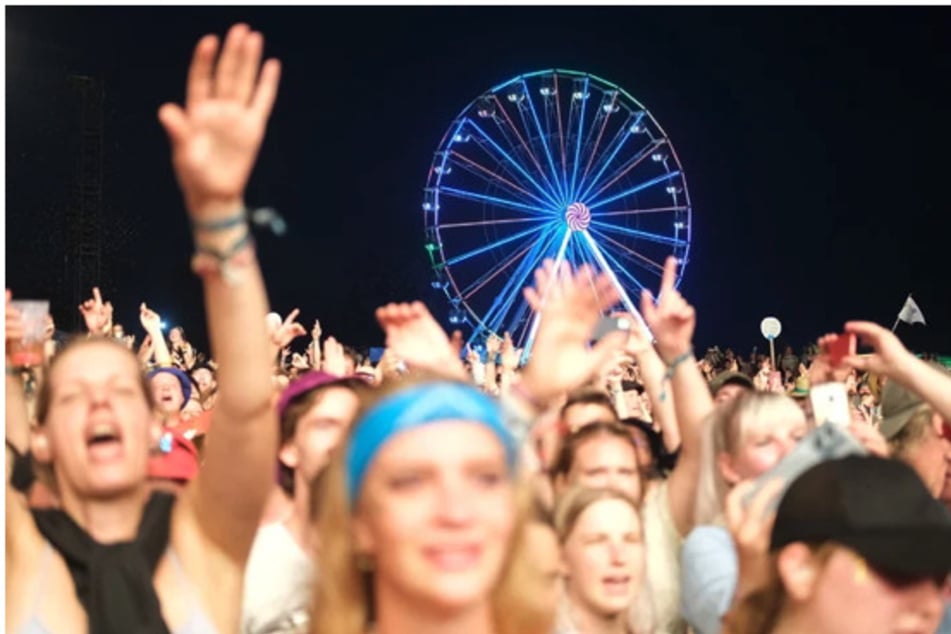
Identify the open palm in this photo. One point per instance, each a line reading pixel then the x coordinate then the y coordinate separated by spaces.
pixel 216 136
pixel 570 305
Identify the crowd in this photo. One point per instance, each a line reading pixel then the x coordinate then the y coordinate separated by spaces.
pixel 620 486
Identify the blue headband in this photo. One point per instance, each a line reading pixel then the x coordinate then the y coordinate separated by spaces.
pixel 415 407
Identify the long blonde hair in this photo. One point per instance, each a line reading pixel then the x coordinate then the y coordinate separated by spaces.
pixel 343 596
pixel 723 432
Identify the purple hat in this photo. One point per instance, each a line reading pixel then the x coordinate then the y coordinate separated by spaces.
pixel 182 378
pixel 303 384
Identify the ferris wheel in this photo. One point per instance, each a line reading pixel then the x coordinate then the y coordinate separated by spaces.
pixel 552 164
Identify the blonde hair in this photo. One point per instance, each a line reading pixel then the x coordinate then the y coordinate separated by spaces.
pixel 343 596
pixel 723 432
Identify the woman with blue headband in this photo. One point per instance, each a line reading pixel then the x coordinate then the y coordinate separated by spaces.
pixel 420 520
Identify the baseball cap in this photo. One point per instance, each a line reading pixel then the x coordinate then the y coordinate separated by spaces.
pixel 303 384
pixel 877 507
pixel 899 404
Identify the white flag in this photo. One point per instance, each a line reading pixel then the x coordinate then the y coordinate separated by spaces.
pixel 910 313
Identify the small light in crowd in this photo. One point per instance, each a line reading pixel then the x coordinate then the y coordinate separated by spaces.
pixel 163 324
pixel 427 207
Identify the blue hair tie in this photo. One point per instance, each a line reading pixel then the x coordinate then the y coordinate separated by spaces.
pixel 415 407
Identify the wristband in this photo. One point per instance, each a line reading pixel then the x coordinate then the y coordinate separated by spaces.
pixel 671 368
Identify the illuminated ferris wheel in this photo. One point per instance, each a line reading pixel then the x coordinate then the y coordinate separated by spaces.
pixel 553 164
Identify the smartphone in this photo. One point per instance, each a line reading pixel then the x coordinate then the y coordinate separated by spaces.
pixel 827 442
pixel 842 347
pixel 830 404
pixel 607 325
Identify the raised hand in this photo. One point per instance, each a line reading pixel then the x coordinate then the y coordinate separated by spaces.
pixel 456 341
pixel 822 370
pixel 750 523
pixel 638 339
pixel 288 331
pixel 569 305
pixel 671 319
pixel 334 362
pixel 510 355
pixel 96 313
pixel 216 137
pixel 414 336
pixel 889 357
pixel 13 325
pixel 315 332
pixel 149 319
pixel 492 346
pixel 146 350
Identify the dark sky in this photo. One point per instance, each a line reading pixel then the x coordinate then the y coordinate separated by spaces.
pixel 814 142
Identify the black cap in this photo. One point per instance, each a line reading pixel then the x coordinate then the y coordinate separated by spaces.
pixel 879 508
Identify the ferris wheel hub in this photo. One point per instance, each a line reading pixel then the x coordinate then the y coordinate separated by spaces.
pixel 578 216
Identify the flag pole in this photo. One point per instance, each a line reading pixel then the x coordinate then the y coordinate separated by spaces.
pixel 898 319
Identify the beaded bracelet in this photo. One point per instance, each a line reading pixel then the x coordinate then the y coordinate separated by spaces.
pixel 208 260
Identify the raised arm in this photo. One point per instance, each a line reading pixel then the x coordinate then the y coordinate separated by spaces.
pixel 893 360
pixel 653 371
pixel 672 321
pixel 215 139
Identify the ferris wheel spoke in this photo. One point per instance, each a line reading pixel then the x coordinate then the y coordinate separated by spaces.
pixel 492 273
pixel 561 132
pixel 617 143
pixel 518 280
pixel 624 169
pixel 629 254
pixel 493 245
pixel 494 221
pixel 603 115
pixel 493 178
pixel 608 266
pixel 633 190
pixel 560 186
pixel 579 138
pixel 502 202
pixel 638 212
pixel 516 252
pixel 518 135
pixel 512 162
pixel 636 233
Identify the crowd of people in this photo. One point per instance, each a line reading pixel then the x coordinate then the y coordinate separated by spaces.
pixel 621 486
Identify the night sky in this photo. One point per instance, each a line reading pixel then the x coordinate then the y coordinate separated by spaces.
pixel 814 142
